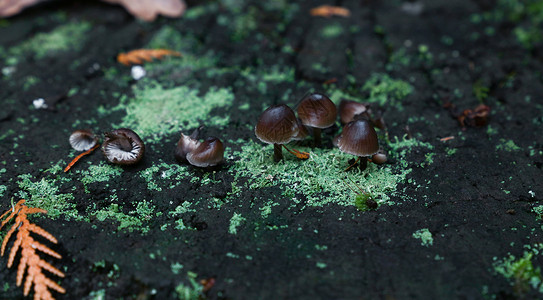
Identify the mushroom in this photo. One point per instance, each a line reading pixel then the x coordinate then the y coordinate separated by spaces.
pixel 317 111
pixel 379 158
pixel 123 146
pixel 277 125
pixel 360 139
pixel 187 144
pixel 83 140
pixel 207 154
pixel 348 109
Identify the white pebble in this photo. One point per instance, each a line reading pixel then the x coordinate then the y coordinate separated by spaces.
pixel 39 103
pixel 138 72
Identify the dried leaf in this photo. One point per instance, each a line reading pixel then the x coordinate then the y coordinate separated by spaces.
pixel 138 56
pixel 328 11
pixel 146 10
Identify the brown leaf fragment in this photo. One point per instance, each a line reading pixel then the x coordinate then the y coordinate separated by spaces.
pixel 148 10
pixel 328 11
pixel 138 56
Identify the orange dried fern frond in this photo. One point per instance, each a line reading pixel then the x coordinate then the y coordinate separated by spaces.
pixel 30 260
pixel 138 56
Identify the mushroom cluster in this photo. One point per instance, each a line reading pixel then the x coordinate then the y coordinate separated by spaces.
pixel 278 125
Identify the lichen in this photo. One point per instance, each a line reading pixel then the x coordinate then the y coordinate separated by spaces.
pixel 235 222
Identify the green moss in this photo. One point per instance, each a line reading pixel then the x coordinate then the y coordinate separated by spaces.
pixel 103 172
pixel 521 273
pixel 134 220
pixel 235 222
pixel 45 193
pixel 507 145
pixel 155 111
pixel 425 237
pixel 386 91
pixel 321 178
pixel 191 291
pixel 194 56
pixel 332 31
pixel 67 37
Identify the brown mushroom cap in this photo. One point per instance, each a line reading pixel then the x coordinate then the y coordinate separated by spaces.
pixel 83 140
pixel 277 125
pixel 209 153
pixel 123 146
pixel 348 109
pixel 317 110
pixel 187 144
pixel 358 138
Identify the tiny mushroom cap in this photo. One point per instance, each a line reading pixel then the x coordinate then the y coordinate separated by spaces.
pixel 379 158
pixel 209 153
pixel 123 146
pixel 318 111
pixel 277 125
pixel 358 138
pixel 349 109
pixel 83 140
pixel 187 144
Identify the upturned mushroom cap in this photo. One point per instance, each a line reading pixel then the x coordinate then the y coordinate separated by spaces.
pixel 123 147
pixel 317 110
pixel 348 109
pixel 358 138
pixel 187 144
pixel 83 140
pixel 207 154
pixel 277 125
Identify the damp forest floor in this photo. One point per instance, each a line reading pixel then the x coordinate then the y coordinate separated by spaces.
pixel 459 211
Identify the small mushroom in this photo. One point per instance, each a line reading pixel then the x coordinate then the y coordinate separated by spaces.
pixel 123 146
pixel 83 140
pixel 348 109
pixel 277 125
pixel 187 144
pixel 317 111
pixel 208 153
pixel 360 139
pixel 379 158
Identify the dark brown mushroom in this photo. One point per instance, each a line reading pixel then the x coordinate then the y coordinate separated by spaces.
pixel 187 144
pixel 277 125
pixel 83 140
pixel 317 111
pixel 207 154
pixel 348 109
pixel 123 147
pixel 360 139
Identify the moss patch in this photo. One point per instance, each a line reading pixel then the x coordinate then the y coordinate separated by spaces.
pixel 67 37
pixel 520 272
pixel 425 237
pixel 155 111
pixel 321 178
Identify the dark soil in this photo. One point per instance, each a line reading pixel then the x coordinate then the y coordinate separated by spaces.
pixel 477 194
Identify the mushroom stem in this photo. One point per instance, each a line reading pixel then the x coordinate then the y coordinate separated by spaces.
pixel 277 152
pixel 363 164
pixel 317 137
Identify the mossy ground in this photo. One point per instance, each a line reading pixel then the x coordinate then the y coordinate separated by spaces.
pixel 456 218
